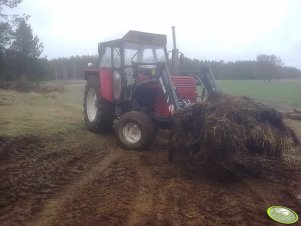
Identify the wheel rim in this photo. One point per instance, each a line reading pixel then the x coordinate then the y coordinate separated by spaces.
pixel 91 104
pixel 132 132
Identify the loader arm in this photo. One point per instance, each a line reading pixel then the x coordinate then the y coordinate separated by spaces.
pixel 168 88
pixel 206 78
pixel 162 77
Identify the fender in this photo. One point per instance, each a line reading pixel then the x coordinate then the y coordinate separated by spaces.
pixel 105 79
pixel 106 83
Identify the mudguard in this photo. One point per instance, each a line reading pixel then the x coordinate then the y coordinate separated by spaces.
pixel 106 84
pixel 105 78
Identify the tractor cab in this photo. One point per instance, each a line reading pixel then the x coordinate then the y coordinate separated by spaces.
pixel 117 59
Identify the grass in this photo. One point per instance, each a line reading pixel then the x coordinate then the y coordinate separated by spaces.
pixel 284 92
pixel 61 112
pixel 47 114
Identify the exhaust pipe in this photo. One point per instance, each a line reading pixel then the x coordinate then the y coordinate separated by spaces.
pixel 175 54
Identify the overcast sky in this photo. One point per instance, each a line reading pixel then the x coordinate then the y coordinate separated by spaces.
pixel 215 30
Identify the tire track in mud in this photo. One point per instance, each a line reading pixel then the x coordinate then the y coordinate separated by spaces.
pixel 52 205
pixel 158 200
pixel 142 206
pixel 103 200
pixel 150 203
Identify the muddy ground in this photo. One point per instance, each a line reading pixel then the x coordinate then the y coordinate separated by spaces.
pixel 94 182
pixel 69 176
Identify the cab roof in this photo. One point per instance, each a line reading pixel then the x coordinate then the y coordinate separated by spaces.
pixel 138 37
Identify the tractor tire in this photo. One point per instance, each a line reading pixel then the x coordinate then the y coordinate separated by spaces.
pixel 135 130
pixel 98 112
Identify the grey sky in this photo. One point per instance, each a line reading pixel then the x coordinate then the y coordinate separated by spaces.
pixel 215 30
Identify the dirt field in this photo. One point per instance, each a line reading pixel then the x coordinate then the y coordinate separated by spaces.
pixel 73 177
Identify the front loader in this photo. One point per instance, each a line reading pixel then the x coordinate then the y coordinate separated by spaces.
pixel 133 86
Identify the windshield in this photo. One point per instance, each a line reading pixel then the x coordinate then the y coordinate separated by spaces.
pixel 142 53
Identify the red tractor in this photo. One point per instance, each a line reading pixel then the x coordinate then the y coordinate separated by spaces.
pixel 133 85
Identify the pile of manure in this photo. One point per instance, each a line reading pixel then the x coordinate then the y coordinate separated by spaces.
pixel 225 125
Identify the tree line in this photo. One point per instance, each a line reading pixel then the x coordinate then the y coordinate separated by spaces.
pixel 265 67
pixel 20 57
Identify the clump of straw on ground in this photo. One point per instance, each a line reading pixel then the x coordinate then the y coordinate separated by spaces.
pixel 226 125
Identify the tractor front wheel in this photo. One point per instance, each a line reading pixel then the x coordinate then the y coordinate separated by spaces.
pixel 135 130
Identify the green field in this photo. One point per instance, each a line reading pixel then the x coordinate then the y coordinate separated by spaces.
pixel 283 92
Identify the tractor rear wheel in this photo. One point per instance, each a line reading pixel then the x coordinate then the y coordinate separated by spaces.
pixel 98 112
pixel 135 130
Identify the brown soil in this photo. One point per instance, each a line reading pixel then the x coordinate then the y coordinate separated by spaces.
pixel 61 181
